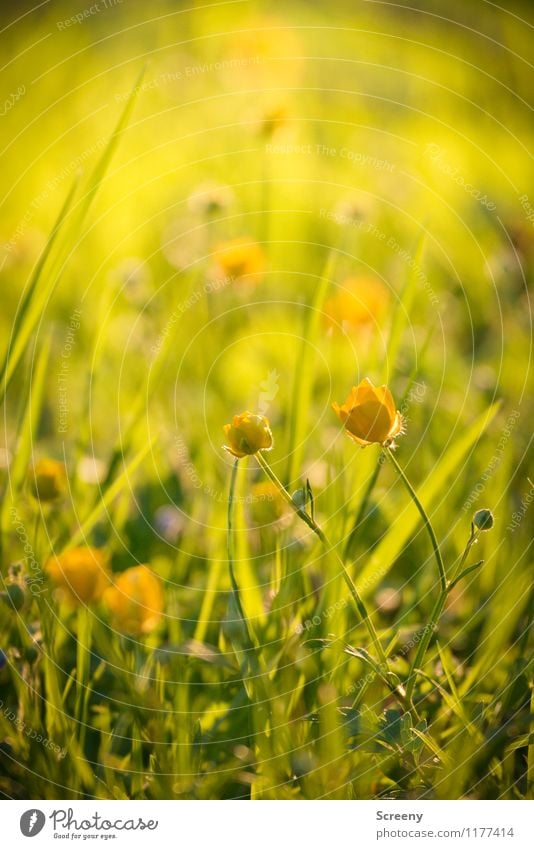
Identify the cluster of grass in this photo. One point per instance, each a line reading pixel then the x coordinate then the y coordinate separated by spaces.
pixel 204 229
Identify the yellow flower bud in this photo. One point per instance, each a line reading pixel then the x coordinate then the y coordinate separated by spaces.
pixel 80 575
pixel 248 434
pixel 240 258
pixel 369 414
pixel 48 480
pixel 135 601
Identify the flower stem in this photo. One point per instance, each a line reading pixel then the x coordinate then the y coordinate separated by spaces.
pixel 444 587
pixel 425 518
pixel 312 524
pixel 437 610
pixel 230 545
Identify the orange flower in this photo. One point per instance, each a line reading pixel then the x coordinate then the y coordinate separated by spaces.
pixel 369 414
pixel 248 434
pixel 135 600
pixel 358 301
pixel 48 480
pixel 240 258
pixel 80 575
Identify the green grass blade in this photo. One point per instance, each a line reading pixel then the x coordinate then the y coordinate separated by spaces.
pixel 50 266
pixel 27 430
pixel 30 310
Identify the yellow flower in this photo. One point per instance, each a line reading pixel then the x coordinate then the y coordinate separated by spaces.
pixel 240 258
pixel 369 414
pixel 248 434
pixel 135 600
pixel 358 301
pixel 80 575
pixel 48 480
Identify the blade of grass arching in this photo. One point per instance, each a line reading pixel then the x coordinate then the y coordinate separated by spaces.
pixel 29 312
pixel 99 171
pixel 404 525
pixel 402 310
pixel 27 429
pixel 107 496
pixel 303 378
pixel 51 265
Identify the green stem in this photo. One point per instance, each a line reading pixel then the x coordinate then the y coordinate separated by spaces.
pixel 230 541
pixel 444 587
pixel 435 615
pixel 83 657
pixel 426 520
pixel 250 651
pixel 312 524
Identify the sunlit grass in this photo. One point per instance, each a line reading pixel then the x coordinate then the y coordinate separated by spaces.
pixel 260 233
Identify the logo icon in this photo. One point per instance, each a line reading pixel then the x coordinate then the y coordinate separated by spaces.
pixel 32 822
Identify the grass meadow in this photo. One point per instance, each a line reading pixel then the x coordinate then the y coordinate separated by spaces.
pixel 231 215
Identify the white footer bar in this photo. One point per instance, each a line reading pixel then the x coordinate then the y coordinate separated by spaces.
pixel 269 825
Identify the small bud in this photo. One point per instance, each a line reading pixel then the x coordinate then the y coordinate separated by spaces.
pixel 300 498
pixel 15 596
pixel 48 480
pixel 483 520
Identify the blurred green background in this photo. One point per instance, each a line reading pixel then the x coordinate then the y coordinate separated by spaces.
pixel 336 137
